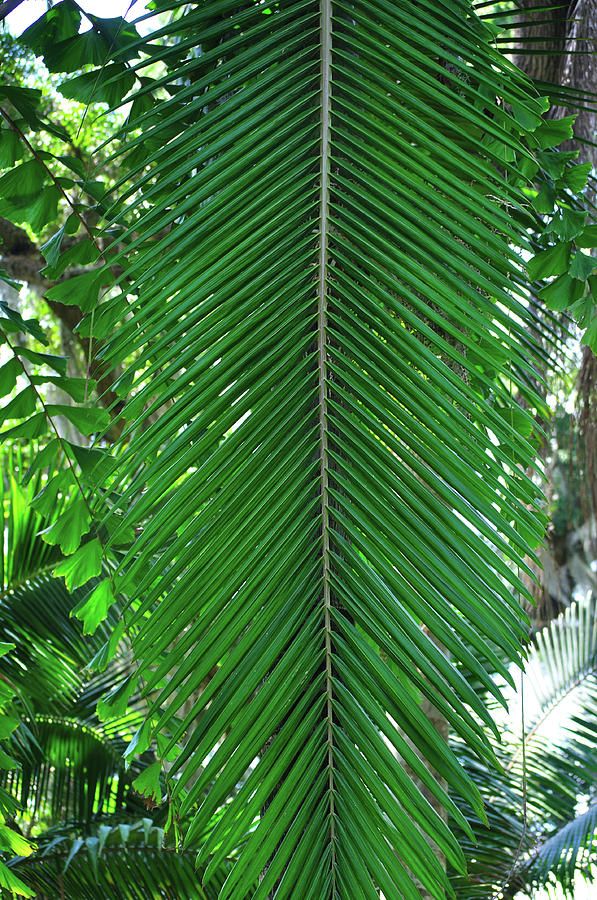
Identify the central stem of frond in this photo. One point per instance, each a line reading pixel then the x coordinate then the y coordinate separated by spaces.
pixel 322 293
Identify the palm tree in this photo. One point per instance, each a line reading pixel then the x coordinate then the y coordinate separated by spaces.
pixel 319 509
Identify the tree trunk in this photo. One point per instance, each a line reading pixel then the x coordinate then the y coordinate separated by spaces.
pixel 566 56
pixel 562 51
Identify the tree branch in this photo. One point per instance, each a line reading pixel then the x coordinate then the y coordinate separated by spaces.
pixel 7 7
pixel 22 260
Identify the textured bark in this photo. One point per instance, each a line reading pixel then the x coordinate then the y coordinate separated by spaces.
pixel 563 52
pixel 22 260
pixel 563 41
pixel 548 30
pixel 579 69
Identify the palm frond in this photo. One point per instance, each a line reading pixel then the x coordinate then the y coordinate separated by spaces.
pixel 70 763
pixel 321 299
pixel 124 861
pixel 23 553
pixel 564 658
pixel 498 844
pixel 558 767
pixel 566 853
pixel 68 770
pixel 51 652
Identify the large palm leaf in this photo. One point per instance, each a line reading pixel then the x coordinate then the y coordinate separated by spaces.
pixel 322 306
pixel 553 838
pixel 563 769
